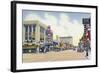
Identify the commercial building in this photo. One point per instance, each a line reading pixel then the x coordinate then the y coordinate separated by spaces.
pixel 49 35
pixel 87 28
pixel 68 40
pixel 33 31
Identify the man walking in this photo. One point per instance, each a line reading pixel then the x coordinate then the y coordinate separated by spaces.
pixel 87 47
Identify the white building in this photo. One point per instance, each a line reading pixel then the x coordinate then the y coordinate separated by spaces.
pixel 33 31
pixel 68 40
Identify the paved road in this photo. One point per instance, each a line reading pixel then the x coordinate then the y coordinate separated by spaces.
pixel 54 56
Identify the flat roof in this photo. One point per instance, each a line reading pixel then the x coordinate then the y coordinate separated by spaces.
pixel 36 22
pixel 66 37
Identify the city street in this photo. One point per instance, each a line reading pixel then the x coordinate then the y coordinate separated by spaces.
pixel 54 56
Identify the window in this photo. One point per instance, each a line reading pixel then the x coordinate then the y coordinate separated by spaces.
pixel 41 33
pixel 26 32
pixel 30 31
pixel 33 33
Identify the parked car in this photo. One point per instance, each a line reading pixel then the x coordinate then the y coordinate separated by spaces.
pixel 44 48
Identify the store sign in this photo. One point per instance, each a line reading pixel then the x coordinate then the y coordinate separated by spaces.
pixel 86 21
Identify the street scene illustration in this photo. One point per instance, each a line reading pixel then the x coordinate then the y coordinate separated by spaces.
pixel 55 36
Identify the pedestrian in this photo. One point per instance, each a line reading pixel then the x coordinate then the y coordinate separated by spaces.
pixel 81 46
pixel 87 47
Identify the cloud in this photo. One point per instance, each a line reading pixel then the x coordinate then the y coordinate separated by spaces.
pixel 62 27
pixel 50 19
pixel 65 27
pixel 32 16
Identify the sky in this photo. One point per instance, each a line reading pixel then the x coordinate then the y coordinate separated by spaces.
pixel 63 24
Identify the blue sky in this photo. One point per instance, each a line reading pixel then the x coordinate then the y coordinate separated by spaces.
pixel 73 15
pixel 63 24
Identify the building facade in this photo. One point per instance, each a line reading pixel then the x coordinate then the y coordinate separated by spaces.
pixel 87 28
pixel 68 40
pixel 49 35
pixel 86 38
pixel 33 31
